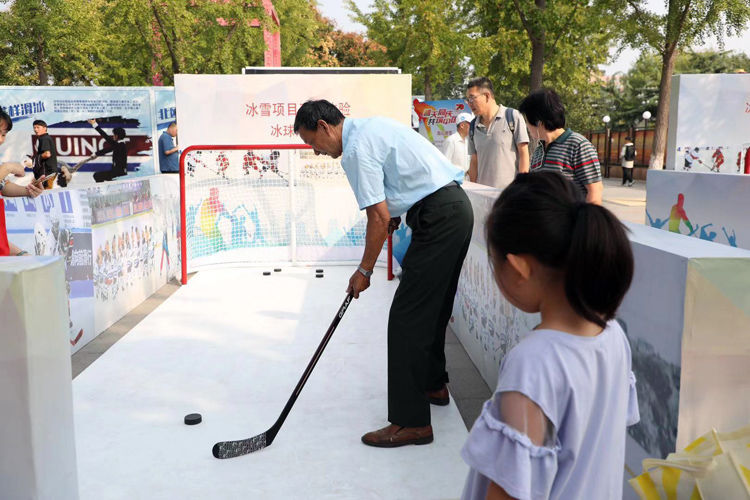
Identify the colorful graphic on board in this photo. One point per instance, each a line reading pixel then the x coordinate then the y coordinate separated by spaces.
pixel 678 215
pixel 684 203
pixel 437 119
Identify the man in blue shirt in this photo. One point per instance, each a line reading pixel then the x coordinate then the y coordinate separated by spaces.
pixel 394 170
pixel 169 157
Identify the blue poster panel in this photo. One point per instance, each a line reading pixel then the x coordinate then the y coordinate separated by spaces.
pixel 66 111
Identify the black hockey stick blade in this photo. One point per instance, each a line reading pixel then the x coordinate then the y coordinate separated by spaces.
pixel 231 449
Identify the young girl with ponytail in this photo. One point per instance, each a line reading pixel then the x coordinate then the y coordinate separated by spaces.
pixel 555 427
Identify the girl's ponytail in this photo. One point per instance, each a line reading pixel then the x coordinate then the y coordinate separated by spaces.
pixel 599 264
pixel 543 214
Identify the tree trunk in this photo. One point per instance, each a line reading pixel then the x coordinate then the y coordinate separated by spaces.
pixel 41 69
pixel 167 41
pixel 538 41
pixel 537 62
pixel 662 112
pixel 427 84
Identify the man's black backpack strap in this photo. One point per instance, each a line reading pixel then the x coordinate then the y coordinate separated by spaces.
pixel 510 119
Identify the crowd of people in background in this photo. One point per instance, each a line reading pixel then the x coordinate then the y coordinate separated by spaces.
pixel 499 142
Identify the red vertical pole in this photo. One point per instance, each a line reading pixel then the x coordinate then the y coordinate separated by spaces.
pixel 183 215
pixel 390 257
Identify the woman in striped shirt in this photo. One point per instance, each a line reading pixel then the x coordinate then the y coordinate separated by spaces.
pixel 560 149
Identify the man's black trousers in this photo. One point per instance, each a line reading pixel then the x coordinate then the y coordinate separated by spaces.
pixel 441 225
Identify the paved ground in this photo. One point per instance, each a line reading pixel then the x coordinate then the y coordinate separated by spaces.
pixel 628 203
pixel 467 387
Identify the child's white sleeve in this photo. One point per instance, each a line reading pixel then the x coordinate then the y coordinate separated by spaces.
pixel 514 445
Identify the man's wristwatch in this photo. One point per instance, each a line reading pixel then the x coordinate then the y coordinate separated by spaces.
pixel 364 271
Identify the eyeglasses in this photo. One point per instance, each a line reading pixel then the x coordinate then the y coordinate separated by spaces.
pixel 472 98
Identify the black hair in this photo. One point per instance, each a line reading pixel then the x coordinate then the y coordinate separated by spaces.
pixel 39 122
pixel 5 117
pixel 311 112
pixel 629 138
pixel 545 106
pixel 543 215
pixel 482 83
pixel 172 124
pixel 119 132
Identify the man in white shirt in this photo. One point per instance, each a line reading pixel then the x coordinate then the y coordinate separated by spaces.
pixel 455 147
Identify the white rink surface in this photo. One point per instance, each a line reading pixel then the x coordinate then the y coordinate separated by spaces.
pixel 232 345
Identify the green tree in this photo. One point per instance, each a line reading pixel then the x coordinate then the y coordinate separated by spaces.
pixel 49 42
pixel 711 61
pixel 188 37
pixel 626 96
pixel 686 22
pixel 300 28
pixel 423 37
pixel 526 44
pixel 333 47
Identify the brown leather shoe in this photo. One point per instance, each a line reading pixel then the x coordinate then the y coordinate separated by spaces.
pixel 395 435
pixel 440 397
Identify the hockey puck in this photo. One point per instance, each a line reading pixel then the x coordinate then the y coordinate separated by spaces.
pixel 319 275
pixel 318 270
pixel 193 419
pixel 277 270
pixel 266 273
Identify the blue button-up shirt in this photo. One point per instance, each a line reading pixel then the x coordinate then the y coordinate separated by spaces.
pixel 385 160
pixel 168 163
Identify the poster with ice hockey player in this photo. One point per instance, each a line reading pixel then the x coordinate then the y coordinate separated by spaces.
pixel 709 124
pixel 59 224
pixel 165 197
pixel 123 247
pixel 66 110
pixel 718 159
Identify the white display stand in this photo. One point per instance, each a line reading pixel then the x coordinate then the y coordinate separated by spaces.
pixel 118 241
pixel 37 445
pixel 485 323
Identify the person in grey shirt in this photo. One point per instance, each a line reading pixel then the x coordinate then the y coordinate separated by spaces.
pixel 498 139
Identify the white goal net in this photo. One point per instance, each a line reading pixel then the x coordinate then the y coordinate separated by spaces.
pixel 267 204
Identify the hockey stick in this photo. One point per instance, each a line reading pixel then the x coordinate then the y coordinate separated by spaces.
pixel 67 178
pixel 231 449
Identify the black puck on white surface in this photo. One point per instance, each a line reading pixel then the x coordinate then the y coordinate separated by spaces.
pixel 277 270
pixel 319 275
pixel 193 419
pixel 266 273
